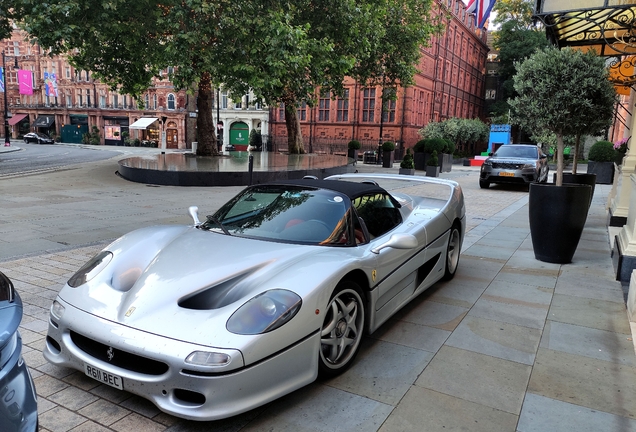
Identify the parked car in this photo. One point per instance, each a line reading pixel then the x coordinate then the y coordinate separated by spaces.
pixel 271 291
pixel 37 137
pixel 515 163
pixel 18 402
pixel 230 147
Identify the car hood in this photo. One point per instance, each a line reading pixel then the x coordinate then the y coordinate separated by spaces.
pixel 512 160
pixel 163 277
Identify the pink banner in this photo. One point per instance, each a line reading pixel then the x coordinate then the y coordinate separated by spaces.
pixel 25 81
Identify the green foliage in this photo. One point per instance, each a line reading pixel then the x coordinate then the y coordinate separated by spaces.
pixel 450 147
pixel 388 146
pixel 354 145
pixel 420 146
pixel 566 92
pixel 255 139
pixel 602 151
pixel 433 160
pixel 457 131
pixel 435 145
pixel 407 160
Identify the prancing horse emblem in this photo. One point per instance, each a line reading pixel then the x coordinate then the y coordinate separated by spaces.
pixel 110 353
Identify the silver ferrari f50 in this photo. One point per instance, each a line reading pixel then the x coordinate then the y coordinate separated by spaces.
pixel 269 293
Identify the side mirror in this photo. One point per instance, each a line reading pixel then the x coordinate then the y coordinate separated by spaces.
pixel 490 154
pixel 397 241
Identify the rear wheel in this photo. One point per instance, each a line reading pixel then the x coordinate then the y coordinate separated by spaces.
pixel 484 184
pixel 452 253
pixel 342 330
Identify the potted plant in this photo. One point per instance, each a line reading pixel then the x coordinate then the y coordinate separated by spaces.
pixel 407 166
pixel 601 160
pixel 621 149
pixel 576 97
pixel 388 150
pixel 352 150
pixel 419 157
pixel 432 165
pixel 446 162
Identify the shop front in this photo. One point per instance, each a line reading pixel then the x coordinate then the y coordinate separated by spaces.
pixel 116 129
pixel 45 124
pixel 75 130
pixel 147 131
pixel 19 125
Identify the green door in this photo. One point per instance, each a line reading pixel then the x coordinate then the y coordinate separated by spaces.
pixel 239 135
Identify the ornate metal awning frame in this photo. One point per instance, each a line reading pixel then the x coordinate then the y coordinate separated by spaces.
pixel 606 26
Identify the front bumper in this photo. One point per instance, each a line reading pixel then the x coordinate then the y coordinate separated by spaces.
pixel 18 401
pixel 502 175
pixel 183 390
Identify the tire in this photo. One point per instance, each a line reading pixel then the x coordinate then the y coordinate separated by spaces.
pixel 484 184
pixel 342 330
pixel 453 250
pixel 26 141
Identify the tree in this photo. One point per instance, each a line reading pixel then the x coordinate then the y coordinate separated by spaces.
pixel 462 132
pixel 516 39
pixel 566 92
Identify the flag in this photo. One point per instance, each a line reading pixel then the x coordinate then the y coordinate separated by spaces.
pixel 50 84
pixel 25 82
pixel 1 80
pixel 481 9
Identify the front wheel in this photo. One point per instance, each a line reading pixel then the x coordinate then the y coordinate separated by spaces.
pixel 452 253
pixel 484 184
pixel 342 330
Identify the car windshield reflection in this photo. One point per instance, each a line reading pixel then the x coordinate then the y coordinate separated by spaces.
pixel 526 152
pixel 286 213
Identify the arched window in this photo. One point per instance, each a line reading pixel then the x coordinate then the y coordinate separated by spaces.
pixel 171 101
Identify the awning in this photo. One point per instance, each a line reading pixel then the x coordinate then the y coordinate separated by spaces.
pixel 143 123
pixel 44 121
pixel 17 119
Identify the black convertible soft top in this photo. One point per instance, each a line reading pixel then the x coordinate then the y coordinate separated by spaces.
pixel 351 189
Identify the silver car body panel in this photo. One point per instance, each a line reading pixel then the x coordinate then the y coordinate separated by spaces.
pixel 132 305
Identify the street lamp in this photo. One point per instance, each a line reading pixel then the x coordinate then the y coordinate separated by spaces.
pixel 7 141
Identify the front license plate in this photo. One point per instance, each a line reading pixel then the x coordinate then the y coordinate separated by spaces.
pixel 103 376
pixel 507 174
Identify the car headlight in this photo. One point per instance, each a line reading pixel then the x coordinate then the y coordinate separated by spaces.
pixel 90 269
pixel 530 165
pixel 265 312
pixel 57 310
pixel 487 163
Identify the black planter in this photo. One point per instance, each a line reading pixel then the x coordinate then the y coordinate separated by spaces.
pixel 420 161
pixel 557 216
pixel 604 171
pixel 353 154
pixel 387 159
pixel 585 179
pixel 446 162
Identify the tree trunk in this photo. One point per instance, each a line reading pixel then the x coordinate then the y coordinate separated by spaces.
pixel 295 136
pixel 560 146
pixel 206 135
pixel 576 153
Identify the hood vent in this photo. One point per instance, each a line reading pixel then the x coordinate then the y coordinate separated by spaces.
pixel 216 296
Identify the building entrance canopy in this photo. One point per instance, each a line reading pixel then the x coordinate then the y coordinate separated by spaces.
pixel 17 119
pixel 44 121
pixel 143 123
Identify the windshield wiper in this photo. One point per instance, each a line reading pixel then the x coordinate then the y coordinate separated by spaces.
pixel 218 222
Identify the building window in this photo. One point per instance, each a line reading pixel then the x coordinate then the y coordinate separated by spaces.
pixel 154 101
pixel 302 111
pixel 88 98
pixel 79 98
pixel 368 105
pixel 125 101
pixel 16 48
pixel 146 101
pixel 69 101
pixel 281 112
pixel 238 104
pixel 102 101
pixel 68 72
pixel 171 101
pixel 224 100
pixel 342 114
pixel 323 107
pixel 170 70
pixel 115 101
pixel 388 111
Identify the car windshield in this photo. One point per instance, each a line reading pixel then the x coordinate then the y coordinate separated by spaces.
pixel 291 214
pixel 527 152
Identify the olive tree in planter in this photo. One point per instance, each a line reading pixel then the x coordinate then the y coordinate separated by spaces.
pixel 388 154
pixel 601 160
pixel 566 92
pixel 352 150
pixel 407 166
pixel 432 165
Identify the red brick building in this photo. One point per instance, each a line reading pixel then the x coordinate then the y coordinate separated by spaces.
pixel 83 102
pixel 449 83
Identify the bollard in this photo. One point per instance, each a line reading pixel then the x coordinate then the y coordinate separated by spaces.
pixel 195 145
pixel 251 167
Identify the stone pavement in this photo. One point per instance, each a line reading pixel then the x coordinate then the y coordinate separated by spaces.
pixel 510 343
